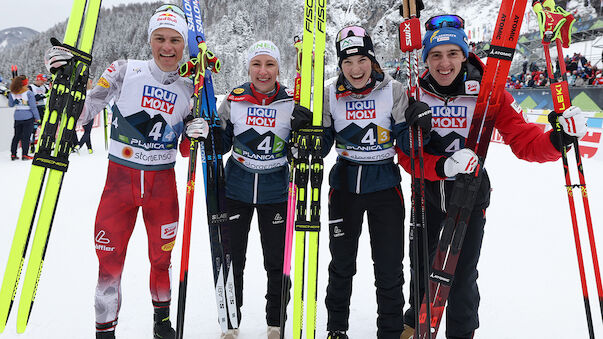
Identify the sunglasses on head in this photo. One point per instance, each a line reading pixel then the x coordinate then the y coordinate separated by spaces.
pixel 171 8
pixel 441 21
pixel 351 31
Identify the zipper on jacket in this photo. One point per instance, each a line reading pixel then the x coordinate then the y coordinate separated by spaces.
pixel 443 196
pixel 141 184
pixel 359 175
pixel 255 187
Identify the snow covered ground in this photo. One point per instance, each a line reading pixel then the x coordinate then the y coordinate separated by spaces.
pixel 528 273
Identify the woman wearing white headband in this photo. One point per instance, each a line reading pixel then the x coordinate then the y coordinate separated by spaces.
pixel 151 103
pixel 257 118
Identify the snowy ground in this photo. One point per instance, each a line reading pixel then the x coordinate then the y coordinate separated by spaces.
pixel 528 273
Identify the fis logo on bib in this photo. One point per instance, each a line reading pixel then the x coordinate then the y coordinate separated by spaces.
pixel 158 99
pixel 258 116
pixel 360 110
pixel 449 116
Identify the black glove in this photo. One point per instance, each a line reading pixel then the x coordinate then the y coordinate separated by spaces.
pixel 418 114
pixel 566 139
pixel 301 118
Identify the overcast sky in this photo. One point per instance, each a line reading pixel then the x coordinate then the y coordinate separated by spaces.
pixel 42 14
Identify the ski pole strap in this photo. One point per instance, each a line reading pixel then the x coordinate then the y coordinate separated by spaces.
pixel 78 55
pixel 554 22
pixel 187 69
pixel 213 62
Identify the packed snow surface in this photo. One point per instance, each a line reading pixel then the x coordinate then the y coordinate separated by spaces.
pixel 529 280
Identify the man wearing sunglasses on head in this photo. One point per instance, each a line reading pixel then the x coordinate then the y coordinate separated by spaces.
pixel 450 86
pixel 151 104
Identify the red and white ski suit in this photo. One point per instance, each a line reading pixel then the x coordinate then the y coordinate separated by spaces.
pixel 150 106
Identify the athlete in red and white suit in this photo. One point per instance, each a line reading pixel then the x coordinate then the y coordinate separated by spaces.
pixel 151 102
pixel 452 109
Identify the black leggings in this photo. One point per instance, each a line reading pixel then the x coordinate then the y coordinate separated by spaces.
pixel 23 130
pixel 86 137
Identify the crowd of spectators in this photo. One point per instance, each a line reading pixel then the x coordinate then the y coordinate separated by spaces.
pixel 580 73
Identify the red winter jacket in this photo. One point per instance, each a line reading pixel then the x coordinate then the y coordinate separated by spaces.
pixel 452 118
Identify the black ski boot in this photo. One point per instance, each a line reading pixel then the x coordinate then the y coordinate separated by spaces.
pixel 163 327
pixel 105 335
pixel 337 335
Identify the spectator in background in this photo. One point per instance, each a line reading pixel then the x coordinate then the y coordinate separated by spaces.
pixel 85 139
pixel 588 69
pixel 26 113
pixel 509 83
pixel 572 63
pixel 598 81
pixel 39 90
pixel 581 62
pixel 571 77
pixel 529 81
pixel 581 80
pixel 524 67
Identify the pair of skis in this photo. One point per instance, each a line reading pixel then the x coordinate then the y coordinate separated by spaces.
pixel 307 167
pixel 50 163
pixel 466 186
pixel 204 105
pixel 291 201
pixel 555 26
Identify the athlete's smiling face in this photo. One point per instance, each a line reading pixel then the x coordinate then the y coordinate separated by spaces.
pixel 263 71
pixel 445 63
pixel 167 47
pixel 357 70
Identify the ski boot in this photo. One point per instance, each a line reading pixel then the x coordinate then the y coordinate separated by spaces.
pixel 26 157
pixel 13 157
pixel 337 335
pixel 162 329
pixel 230 334
pixel 89 151
pixel 105 335
pixel 274 332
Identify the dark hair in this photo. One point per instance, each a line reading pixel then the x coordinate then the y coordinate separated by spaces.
pixel 377 68
pixel 17 84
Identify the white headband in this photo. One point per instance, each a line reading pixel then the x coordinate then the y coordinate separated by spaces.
pixel 171 20
pixel 263 47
